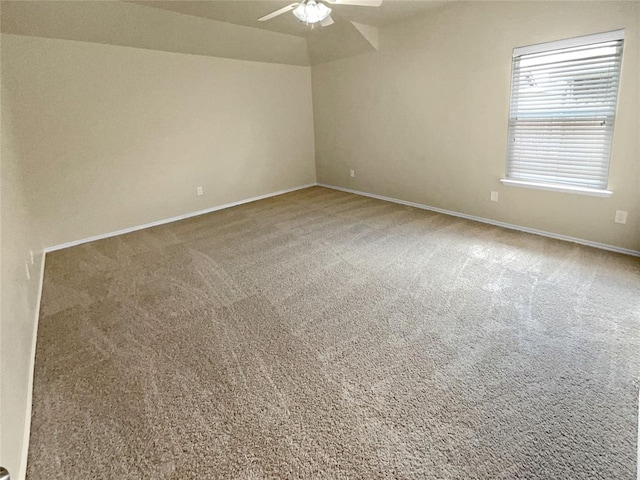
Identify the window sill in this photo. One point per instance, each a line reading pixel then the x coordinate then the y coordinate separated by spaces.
pixel 557 188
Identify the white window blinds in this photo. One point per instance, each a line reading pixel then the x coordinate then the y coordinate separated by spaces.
pixel 562 112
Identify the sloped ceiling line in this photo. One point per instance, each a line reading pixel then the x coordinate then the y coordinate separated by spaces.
pixel 221 28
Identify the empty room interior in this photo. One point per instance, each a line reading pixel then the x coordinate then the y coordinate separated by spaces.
pixel 337 239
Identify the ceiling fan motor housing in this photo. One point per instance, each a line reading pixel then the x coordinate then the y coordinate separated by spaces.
pixel 315 11
pixel 310 11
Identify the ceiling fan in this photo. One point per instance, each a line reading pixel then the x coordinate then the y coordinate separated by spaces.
pixel 315 11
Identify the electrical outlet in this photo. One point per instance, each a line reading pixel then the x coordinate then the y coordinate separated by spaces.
pixel 31 258
pixel 621 216
pixel 199 191
pixel 352 173
pixel 26 267
pixel 494 196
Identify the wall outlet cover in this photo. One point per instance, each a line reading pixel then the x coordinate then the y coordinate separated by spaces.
pixel 621 216
pixel 494 196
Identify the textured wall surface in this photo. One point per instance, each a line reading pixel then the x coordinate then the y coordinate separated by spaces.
pixel 19 234
pixel 115 137
pixel 425 119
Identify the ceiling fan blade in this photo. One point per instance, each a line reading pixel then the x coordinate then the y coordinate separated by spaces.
pixel 271 15
pixel 327 21
pixel 359 3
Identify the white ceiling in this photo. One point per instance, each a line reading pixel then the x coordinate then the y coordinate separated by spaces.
pixel 219 28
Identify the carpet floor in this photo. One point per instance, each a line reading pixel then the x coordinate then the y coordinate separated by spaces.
pixel 320 334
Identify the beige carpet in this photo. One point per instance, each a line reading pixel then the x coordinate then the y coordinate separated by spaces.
pixel 320 334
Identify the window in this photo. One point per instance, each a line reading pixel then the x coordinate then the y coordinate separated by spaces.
pixel 562 112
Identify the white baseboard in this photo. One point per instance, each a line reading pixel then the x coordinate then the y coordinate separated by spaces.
pixel 22 469
pixel 173 219
pixel 511 226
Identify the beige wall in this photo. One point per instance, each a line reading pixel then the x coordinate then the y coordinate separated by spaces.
pixel 113 137
pixel 425 118
pixel 18 297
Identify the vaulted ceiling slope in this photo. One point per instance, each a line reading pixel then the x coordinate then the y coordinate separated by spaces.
pixel 217 28
pixel 127 24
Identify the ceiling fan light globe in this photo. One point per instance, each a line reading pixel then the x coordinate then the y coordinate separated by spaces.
pixel 300 12
pixel 311 12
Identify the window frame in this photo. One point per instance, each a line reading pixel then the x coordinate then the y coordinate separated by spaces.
pixel 599 38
